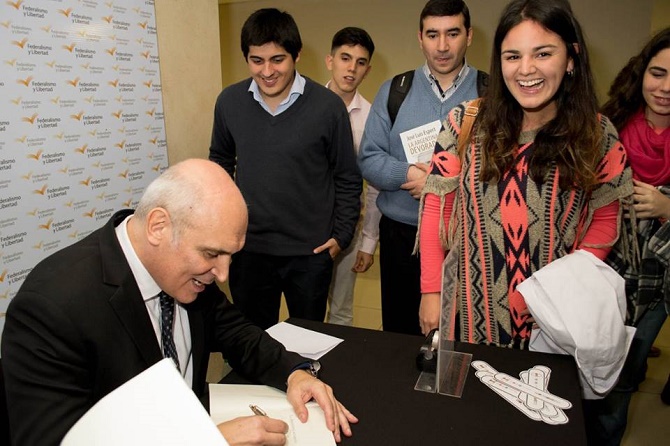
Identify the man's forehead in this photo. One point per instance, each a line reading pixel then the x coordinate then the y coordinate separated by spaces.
pixel 267 50
pixel 437 23
pixel 354 51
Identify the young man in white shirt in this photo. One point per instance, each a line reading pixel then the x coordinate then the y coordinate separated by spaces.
pixel 349 63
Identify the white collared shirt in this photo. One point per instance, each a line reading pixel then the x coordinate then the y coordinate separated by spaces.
pixel 443 95
pixel 150 290
pixel 297 89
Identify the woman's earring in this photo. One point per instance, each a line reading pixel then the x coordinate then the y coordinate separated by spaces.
pixel 571 73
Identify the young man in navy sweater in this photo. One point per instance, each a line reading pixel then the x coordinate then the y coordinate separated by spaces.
pixel 287 142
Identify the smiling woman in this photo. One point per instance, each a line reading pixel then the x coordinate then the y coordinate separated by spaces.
pixel 524 190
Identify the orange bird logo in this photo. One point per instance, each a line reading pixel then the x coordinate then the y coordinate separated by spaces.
pixel 46 29
pixel 33 212
pixel 65 12
pixel 6 23
pixel 89 99
pixel 70 47
pixel 111 51
pixel 51 64
pixel 143 25
pixel 46 225
pixel 101 196
pixel 74 234
pixel 126 204
pixel 109 4
pixel 11 62
pixel 77 116
pixel 68 204
pixel 16 101
pixel 117 114
pixel 89 214
pixel 115 67
pixel 122 129
pixel 27 176
pixel 121 144
pixel 22 139
pixel 145 54
pixel 55 100
pixel 148 83
pixel 41 191
pixel 156 168
pixel 16 5
pixel 140 40
pixel 93 132
pixel 74 82
pixel 64 169
pixel 108 18
pixel 151 112
pixel 153 140
pixel 86 182
pixel 81 149
pixel 35 156
pixel 3 275
pixel 59 135
pixel 114 83
pixel 118 98
pixel 20 43
pixel 85 66
pixel 30 119
pixel 124 174
pixel 26 82
pixel 124 160
pixel 96 164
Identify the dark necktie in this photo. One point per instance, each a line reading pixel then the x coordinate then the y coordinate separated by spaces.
pixel 167 321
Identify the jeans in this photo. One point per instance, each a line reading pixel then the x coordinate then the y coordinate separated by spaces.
pixel 606 419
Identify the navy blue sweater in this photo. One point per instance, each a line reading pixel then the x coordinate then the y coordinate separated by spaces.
pixel 297 171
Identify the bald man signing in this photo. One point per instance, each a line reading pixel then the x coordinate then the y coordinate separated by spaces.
pixel 88 318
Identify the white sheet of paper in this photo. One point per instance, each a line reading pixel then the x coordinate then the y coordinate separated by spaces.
pixel 419 142
pixel 228 401
pixel 308 343
pixel 155 407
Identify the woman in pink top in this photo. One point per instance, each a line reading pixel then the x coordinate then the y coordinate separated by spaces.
pixel 639 107
pixel 542 174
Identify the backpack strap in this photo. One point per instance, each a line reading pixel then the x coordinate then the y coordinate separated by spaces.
pixel 400 86
pixel 469 117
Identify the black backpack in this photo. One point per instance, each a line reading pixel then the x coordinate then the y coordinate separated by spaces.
pixel 402 82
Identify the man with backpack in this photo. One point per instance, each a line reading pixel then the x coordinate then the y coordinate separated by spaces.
pixel 397 144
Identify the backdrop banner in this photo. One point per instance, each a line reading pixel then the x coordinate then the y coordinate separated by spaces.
pixel 81 123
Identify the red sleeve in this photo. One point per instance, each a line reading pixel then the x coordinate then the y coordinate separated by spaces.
pixel 432 252
pixel 602 230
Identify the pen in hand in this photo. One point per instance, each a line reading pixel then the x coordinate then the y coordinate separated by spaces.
pixel 257 410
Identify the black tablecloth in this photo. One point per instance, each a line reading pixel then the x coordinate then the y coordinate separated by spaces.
pixel 373 374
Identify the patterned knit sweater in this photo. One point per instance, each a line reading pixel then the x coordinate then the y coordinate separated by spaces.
pixel 499 234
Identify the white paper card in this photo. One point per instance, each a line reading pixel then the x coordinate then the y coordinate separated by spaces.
pixel 308 343
pixel 419 142
pixel 228 401
pixel 155 407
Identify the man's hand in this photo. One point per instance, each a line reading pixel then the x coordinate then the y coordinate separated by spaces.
pixel 416 179
pixel 363 262
pixel 429 312
pixel 332 246
pixel 303 387
pixel 254 430
pixel 649 201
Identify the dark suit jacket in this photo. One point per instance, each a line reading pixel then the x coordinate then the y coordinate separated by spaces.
pixel 78 328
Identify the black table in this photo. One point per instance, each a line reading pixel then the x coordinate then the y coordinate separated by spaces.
pixel 373 374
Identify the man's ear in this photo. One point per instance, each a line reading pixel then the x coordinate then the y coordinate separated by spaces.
pixel 329 62
pixel 367 71
pixel 158 226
